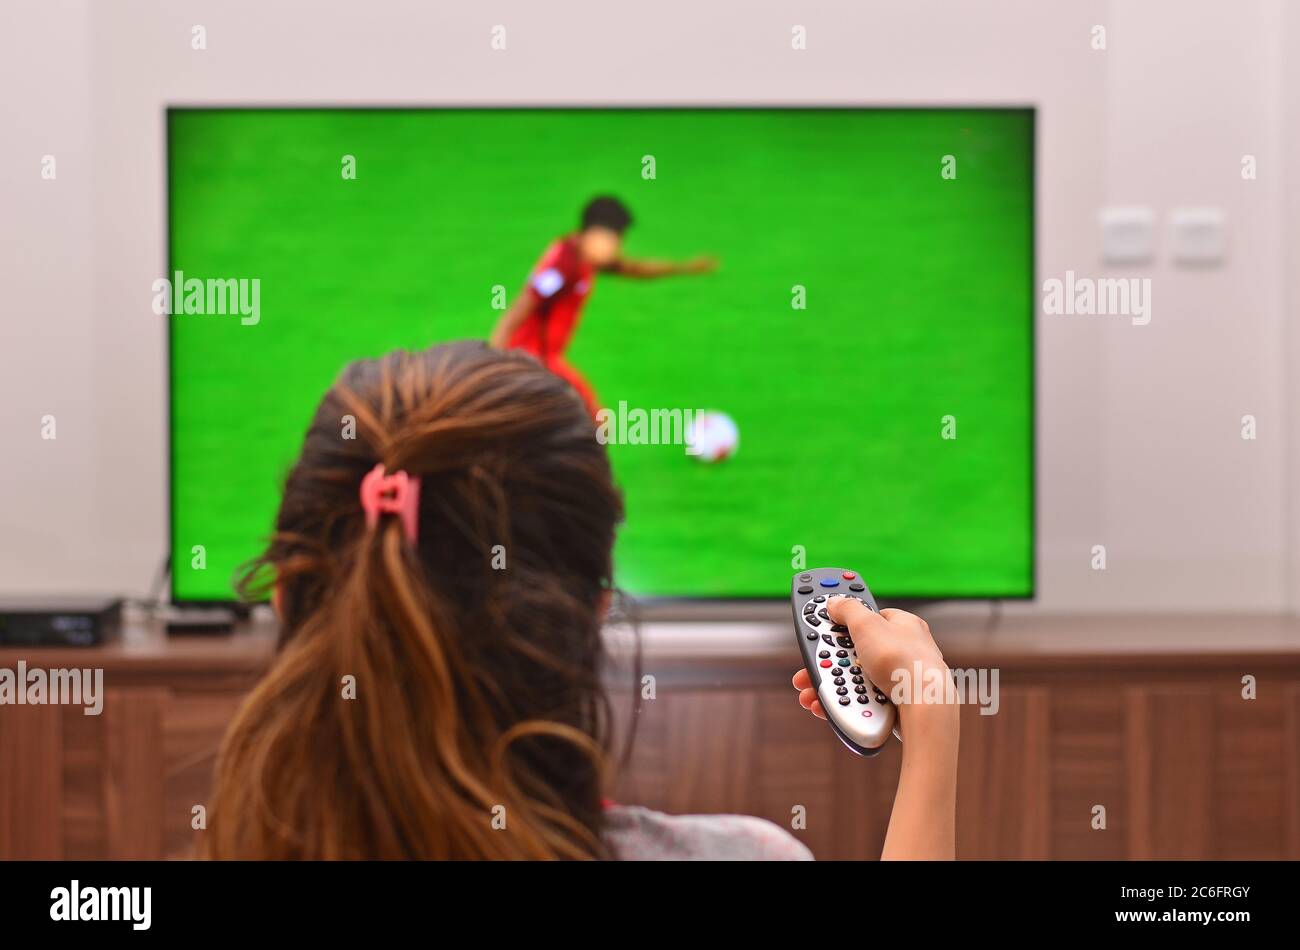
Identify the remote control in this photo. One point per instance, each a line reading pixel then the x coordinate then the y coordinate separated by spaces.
pixel 861 715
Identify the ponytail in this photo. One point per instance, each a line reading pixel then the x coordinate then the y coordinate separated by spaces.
pixel 408 714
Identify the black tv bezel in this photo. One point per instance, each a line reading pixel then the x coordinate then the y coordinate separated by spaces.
pixel 650 607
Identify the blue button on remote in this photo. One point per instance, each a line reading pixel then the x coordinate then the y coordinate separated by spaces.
pixel 830 582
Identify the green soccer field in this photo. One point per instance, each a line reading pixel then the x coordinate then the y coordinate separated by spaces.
pixel 918 291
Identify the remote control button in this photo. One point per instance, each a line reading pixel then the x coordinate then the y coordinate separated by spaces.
pixel 844 641
pixel 857 587
pixel 826 637
pixel 805 589
pixel 844 700
pixel 841 690
pixel 805 577
pixel 839 628
pixel 858 679
pixel 826 663
pixel 830 582
pixel 819 599
pixel 862 699
pixel 856 670
pixel 824 654
pixel 844 662
pixel 812 635
pixel 823 614
pixel 849 576
pixel 859 689
pixel 841 652
pixel 838 681
pixel 812 621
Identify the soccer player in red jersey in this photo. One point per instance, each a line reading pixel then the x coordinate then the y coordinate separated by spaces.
pixel 542 319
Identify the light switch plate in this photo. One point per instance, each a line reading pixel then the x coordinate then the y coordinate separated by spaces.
pixel 1128 234
pixel 1198 235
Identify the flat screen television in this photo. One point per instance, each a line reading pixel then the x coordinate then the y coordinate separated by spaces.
pixel 869 328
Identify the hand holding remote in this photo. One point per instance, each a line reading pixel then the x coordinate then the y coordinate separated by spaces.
pixel 886 641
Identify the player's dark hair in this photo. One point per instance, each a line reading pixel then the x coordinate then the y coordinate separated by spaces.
pixel 474 654
pixel 606 212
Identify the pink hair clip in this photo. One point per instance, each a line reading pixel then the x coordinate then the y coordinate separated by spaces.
pixel 397 494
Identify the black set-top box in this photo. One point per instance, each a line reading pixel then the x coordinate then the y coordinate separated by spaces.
pixel 58 621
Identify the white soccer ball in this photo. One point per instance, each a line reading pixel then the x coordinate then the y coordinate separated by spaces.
pixel 712 436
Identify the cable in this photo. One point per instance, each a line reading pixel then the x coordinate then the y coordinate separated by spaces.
pixel 995 617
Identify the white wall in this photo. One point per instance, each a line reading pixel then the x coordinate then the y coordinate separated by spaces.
pixel 1138 442
pixel 1290 350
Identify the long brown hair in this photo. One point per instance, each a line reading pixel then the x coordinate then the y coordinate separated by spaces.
pixel 441 699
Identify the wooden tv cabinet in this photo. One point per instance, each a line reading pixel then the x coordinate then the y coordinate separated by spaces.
pixel 1142 716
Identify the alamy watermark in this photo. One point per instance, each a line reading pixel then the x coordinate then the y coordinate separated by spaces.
pixel 56 687
pixel 935 685
pixel 1108 296
pixel 78 902
pixel 624 425
pixel 213 296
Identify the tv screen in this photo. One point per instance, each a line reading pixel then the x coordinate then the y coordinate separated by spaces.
pixel 855 377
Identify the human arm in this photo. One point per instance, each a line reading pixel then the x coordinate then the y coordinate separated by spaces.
pixel 922 825
pixel 631 267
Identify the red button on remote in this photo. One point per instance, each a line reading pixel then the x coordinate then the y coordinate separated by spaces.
pixel 826 663
pixel 849 575
pixel 866 714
